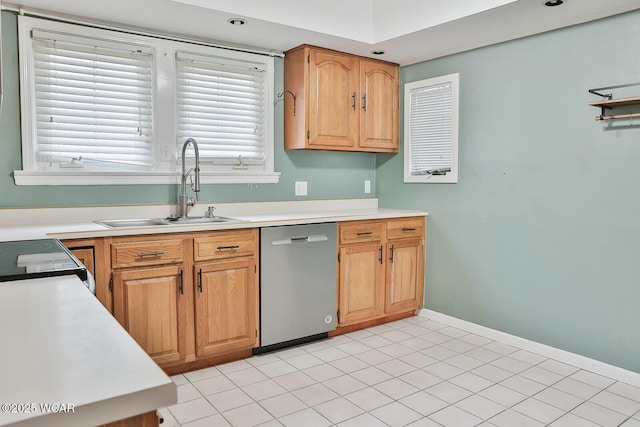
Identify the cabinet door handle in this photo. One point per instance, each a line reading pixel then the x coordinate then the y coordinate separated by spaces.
pixel 200 280
pixel 354 101
pixel 408 229
pixel 222 248
pixel 364 233
pixel 391 257
pixel 364 102
pixel 181 284
pixel 146 254
pixel 380 259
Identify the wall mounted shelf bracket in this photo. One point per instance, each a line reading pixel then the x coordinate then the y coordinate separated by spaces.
pixel 281 95
pixel 609 103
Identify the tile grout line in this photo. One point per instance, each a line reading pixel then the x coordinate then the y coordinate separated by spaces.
pixel 582 362
pixel 311 349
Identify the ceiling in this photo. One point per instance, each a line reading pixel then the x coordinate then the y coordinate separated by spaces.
pixel 408 31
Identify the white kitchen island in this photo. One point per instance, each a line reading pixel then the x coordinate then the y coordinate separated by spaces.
pixel 61 347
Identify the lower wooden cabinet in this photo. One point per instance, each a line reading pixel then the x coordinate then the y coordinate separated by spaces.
pixel 405 276
pixel 381 268
pixel 150 304
pixel 226 306
pixel 194 297
pixel 361 282
pixel 92 253
pixel 149 419
pixel 181 311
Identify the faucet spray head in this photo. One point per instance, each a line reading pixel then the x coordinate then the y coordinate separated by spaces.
pixel 196 185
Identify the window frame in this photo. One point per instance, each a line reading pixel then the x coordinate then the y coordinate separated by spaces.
pixel 267 104
pixel 449 177
pixel 167 163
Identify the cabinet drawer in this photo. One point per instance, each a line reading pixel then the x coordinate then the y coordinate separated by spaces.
pixel 361 231
pixel 151 252
pixel 225 244
pixel 403 228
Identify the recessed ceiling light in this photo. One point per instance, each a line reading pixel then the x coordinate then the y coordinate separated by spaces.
pixel 552 3
pixel 237 21
pixel 378 52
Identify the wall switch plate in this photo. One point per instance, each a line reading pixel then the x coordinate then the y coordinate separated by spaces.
pixel 301 188
pixel 367 186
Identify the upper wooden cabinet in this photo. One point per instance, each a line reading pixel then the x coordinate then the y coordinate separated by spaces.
pixel 342 102
pixel 379 112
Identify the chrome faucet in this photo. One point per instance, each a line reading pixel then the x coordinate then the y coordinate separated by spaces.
pixel 184 202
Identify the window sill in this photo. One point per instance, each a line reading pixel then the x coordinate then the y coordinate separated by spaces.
pixel 129 178
pixel 431 179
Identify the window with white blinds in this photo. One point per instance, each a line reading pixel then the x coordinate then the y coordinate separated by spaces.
pixel 93 102
pixel 221 104
pixel 100 106
pixel 431 130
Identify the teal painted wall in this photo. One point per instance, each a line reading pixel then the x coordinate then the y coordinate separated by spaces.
pixel 541 236
pixel 330 175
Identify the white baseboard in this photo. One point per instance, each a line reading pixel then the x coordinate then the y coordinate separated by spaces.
pixel 582 362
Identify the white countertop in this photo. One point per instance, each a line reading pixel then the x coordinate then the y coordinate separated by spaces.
pixel 60 345
pixel 79 224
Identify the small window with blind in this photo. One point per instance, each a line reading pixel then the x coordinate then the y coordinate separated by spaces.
pixel 100 106
pixel 93 103
pixel 221 103
pixel 431 130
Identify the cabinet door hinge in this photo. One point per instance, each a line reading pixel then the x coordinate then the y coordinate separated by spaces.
pixel 309 59
pixel 338 315
pixel 256 333
pixel 338 256
pixel 111 284
pixel 308 135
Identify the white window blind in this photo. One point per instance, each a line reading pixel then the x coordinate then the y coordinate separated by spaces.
pixel 93 102
pixel 221 104
pixel 431 130
pixel 100 107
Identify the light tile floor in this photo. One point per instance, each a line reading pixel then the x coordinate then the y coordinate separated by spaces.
pixel 413 372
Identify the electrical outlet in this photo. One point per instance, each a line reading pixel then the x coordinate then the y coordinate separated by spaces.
pixel 367 186
pixel 301 188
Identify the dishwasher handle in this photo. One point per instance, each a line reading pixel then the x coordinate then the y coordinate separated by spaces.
pixel 304 239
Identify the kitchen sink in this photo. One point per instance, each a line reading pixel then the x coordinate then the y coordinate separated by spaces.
pixel 197 219
pixel 143 222
pixel 150 222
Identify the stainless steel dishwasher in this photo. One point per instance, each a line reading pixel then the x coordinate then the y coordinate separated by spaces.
pixel 297 284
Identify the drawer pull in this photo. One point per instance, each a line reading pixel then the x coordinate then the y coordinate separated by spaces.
pixel 222 248
pixel 364 233
pixel 146 254
pixel 408 229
